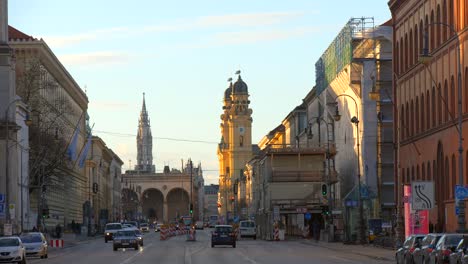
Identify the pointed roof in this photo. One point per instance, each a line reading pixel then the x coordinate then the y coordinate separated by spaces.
pixel 144 104
pixel 15 34
pixel 240 87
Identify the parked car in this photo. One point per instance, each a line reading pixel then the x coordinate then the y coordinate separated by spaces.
pixel 460 253
pixel 404 254
pixel 248 228
pixel 125 239
pixel 446 245
pixel 199 225
pixel 111 229
pixel 144 227
pixel 223 235
pixel 12 250
pixel 35 244
pixel 428 244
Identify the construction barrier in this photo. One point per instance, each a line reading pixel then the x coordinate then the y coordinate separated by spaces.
pixel 191 235
pixel 57 243
pixel 276 237
pixel 163 232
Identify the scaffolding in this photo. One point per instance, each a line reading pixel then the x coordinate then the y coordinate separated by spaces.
pixel 340 52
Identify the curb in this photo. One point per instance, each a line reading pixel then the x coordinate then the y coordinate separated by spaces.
pixel 70 244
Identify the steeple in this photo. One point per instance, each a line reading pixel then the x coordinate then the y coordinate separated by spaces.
pixel 144 142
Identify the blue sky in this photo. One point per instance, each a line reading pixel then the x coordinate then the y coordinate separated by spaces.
pixel 181 53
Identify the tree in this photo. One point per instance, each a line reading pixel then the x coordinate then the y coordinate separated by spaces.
pixel 51 127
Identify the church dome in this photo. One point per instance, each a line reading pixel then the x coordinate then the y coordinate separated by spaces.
pixel 227 93
pixel 240 87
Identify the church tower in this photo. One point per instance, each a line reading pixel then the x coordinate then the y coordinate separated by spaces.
pixel 235 148
pixel 144 142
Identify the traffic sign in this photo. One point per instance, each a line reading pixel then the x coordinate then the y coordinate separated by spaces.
pixel 2 198
pixel 422 194
pixel 461 192
pixel 308 216
pixel 457 210
pixel 2 210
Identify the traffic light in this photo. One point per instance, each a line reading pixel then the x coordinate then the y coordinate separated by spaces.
pixel 324 189
pixel 45 213
pixel 191 208
pixel 325 210
pixel 95 187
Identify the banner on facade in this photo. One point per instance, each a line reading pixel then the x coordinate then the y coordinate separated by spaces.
pixel 7 230
pixel 416 221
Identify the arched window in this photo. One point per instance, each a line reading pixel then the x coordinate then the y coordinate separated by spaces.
pixel 444 20
pixel 447 179
pixel 405 58
pixel 453 108
pixel 402 122
pixel 421 36
pixel 416 115
pixel 454 175
pixel 418 175
pixel 450 16
pixel 439 105
pixel 411 120
pixel 402 55
pixel 416 46
pixel 429 178
pixel 412 174
pixel 446 100
pixel 431 30
pixel 466 88
pixel 438 27
pixel 423 172
pixel 428 110
pixel 423 125
pixel 408 176
pixel 433 107
pixel 410 49
pixel 397 50
pixel 407 121
pixel 434 170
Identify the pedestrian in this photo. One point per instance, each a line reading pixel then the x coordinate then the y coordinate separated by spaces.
pixel 58 230
pixel 34 229
pixel 73 226
pixel 316 229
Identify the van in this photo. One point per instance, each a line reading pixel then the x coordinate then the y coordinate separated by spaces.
pixel 248 228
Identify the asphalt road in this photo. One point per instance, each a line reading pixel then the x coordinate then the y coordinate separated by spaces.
pixel 176 250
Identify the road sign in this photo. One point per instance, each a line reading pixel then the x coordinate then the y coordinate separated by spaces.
pixel 308 216
pixel 422 194
pixel 2 198
pixel 457 210
pixel 461 192
pixel 276 214
pixel 12 211
pixel 2 210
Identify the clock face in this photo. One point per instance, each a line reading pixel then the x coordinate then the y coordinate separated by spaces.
pixel 241 130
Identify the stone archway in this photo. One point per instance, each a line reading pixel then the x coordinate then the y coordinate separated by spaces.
pixel 129 204
pixel 177 203
pixel 152 202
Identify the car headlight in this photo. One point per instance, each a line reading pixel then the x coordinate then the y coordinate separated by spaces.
pixel 107 234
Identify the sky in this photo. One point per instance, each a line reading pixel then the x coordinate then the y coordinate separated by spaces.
pixel 180 54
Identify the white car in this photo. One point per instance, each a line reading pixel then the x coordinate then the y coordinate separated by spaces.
pixel 248 229
pixel 12 250
pixel 157 228
pixel 35 244
pixel 144 227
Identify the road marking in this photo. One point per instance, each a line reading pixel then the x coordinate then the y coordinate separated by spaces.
pixel 247 259
pixel 136 254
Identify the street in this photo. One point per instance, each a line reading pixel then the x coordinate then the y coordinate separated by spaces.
pixel 176 250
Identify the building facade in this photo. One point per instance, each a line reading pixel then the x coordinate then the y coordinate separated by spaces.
pixel 211 201
pixel 427 102
pixel 235 148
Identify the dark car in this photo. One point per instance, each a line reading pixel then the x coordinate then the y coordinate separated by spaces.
pixel 404 254
pixel 223 235
pixel 428 244
pixel 126 239
pixel 460 256
pixel 446 245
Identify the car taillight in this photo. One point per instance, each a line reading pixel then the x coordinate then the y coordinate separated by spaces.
pixel 429 249
pixel 446 252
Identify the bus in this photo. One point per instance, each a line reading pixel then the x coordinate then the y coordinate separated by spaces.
pixel 213 220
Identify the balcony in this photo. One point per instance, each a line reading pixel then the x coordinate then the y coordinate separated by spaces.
pixel 296 175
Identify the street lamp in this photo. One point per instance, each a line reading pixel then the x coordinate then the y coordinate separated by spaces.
pixel 425 58
pixel 309 136
pixel 355 120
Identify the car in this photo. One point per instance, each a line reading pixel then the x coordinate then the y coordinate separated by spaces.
pixel 157 228
pixel 133 223
pixel 446 245
pixel 459 255
pixel 139 236
pixel 35 244
pixel 144 227
pixel 126 225
pixel 126 238
pixel 248 228
pixel 404 253
pixel 199 225
pixel 111 229
pixel 421 255
pixel 12 250
pixel 223 235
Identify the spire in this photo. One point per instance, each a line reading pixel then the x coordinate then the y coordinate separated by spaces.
pixel 144 142
pixel 143 109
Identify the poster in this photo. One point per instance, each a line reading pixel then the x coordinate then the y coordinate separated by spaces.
pixel 416 222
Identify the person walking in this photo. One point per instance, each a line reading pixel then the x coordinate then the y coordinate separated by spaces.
pixel 316 229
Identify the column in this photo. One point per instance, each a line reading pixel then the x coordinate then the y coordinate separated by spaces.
pixel 165 211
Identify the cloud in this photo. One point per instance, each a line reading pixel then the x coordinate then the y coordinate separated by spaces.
pixel 95 58
pixel 62 41
pixel 246 20
pixel 244 37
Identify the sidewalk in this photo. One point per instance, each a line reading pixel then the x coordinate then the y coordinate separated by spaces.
pixel 369 251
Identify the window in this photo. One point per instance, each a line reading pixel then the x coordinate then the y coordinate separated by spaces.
pixel 422 113
pixel 453 109
pixel 446 107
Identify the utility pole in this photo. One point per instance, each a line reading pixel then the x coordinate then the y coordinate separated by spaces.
pixel 191 186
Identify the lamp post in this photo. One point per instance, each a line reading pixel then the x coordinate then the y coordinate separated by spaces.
pixel 309 136
pixel 425 58
pixel 7 176
pixel 355 120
